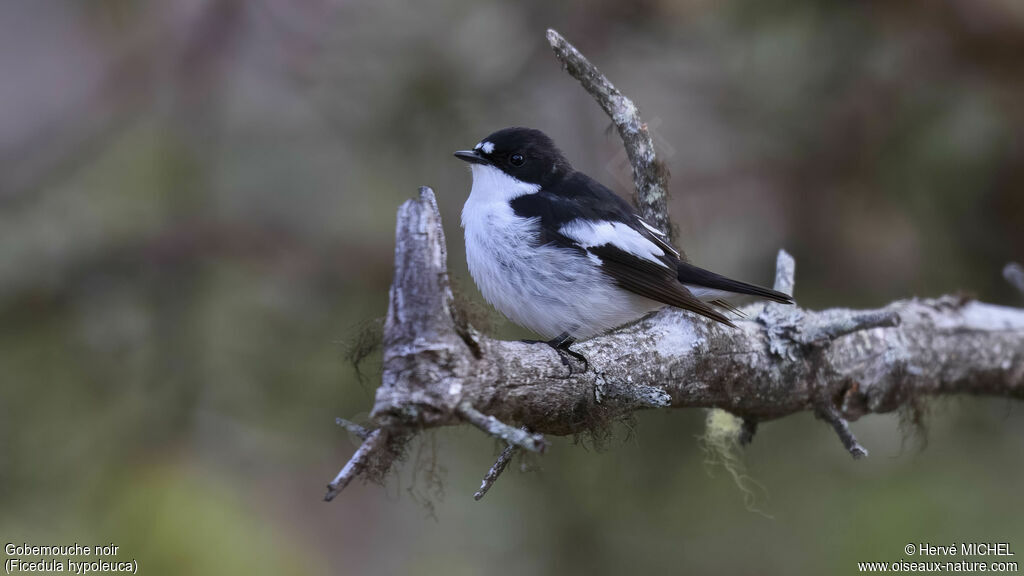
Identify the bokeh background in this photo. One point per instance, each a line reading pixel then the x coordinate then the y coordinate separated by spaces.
pixel 197 204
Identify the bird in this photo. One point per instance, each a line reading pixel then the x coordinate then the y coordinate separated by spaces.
pixel 559 253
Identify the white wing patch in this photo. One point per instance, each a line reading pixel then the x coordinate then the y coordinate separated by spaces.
pixel 658 234
pixel 588 234
pixel 653 230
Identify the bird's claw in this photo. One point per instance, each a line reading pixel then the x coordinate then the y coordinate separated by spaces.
pixel 563 352
pixel 561 345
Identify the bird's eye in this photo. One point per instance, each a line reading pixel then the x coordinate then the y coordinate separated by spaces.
pixel 517 160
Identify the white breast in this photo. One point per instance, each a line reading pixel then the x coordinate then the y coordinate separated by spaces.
pixel 547 289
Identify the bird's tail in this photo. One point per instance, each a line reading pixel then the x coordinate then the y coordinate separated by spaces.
pixel 718 286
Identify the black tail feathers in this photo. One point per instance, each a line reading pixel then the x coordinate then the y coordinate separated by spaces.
pixel 692 275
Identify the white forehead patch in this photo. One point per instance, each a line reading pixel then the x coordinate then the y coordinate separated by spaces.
pixel 487 147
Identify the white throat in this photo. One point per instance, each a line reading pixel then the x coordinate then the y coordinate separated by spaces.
pixel 491 186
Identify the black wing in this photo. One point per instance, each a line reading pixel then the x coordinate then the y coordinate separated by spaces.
pixel 578 197
pixel 651 280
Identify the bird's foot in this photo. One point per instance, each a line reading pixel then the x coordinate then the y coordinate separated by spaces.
pixel 561 345
pixel 563 352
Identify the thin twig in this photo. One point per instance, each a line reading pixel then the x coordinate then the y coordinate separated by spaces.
pixel 353 428
pixel 828 413
pixel 356 464
pixel 499 466
pixel 498 429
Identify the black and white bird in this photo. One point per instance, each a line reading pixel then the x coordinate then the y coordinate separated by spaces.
pixel 558 253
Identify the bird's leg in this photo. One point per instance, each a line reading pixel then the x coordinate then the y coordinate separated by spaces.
pixel 561 344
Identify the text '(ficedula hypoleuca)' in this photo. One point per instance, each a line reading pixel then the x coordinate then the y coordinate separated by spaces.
pixel 558 253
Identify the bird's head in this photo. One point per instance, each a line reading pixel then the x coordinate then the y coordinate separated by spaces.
pixel 525 154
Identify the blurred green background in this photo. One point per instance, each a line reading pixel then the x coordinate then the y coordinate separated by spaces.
pixel 197 206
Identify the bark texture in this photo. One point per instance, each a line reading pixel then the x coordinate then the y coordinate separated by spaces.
pixel 841 364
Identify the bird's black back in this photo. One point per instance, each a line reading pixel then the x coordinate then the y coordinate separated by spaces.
pixel 579 197
pixel 576 196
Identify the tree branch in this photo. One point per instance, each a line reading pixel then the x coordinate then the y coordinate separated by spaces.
pixel 650 175
pixel 840 364
pixel 942 346
pixel 766 368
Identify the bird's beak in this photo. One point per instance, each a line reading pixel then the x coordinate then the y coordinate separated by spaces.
pixel 471 156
